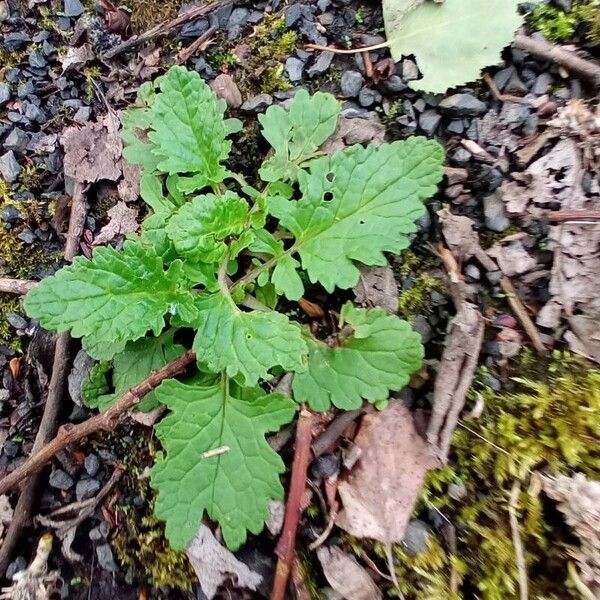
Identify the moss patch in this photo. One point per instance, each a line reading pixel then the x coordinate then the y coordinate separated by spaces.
pixel 148 13
pixel 547 421
pixel 558 25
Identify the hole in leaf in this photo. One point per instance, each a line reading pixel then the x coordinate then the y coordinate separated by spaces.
pixel 330 177
pixel 361 222
pixel 327 197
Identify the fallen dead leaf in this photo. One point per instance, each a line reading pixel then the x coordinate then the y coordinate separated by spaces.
pixel 346 576
pixel 93 152
pixel 75 58
pixel 379 494
pixel 213 564
pixel 225 87
pixel 377 287
pixel 129 185
pixel 355 131
pixel 123 220
pixel 512 258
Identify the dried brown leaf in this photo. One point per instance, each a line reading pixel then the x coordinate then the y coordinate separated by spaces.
pixel 346 576
pixel 214 564
pixel 75 58
pixel 123 220
pixel 377 287
pixel 512 258
pixel 93 152
pixel 355 131
pixel 379 494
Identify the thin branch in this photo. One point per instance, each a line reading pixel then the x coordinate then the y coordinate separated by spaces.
pixel 517 543
pixel 335 429
pixel 519 309
pixel 16 286
pixel 163 28
pixel 104 421
pixel 542 49
pixel 562 216
pixel 198 45
pixel 49 421
pixel 286 546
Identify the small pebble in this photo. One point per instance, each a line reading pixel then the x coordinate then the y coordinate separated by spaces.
pixel 428 121
pixel 9 167
pixel 324 466
pixel 91 464
pixel 257 104
pixel 462 105
pixel 321 65
pixel 351 83
pixel 73 8
pixel 19 564
pixel 416 537
pixel 409 70
pixel 87 488
pixel 294 67
pixel 106 559
pixel 422 327
pixel 4 94
pixel 17 321
pixel 367 97
pixel 60 480
pixel 495 213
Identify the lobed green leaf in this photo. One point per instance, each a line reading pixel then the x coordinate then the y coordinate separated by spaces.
pixel 234 484
pixel 377 358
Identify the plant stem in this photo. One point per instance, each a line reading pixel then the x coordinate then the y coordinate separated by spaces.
pixel 286 547
pixel 252 275
pixel 104 421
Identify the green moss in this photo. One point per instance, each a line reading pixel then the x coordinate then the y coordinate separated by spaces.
pixel 148 13
pixel 140 542
pixel 558 25
pixel 548 421
pixel 8 304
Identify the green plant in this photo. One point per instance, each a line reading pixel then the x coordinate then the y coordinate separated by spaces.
pixel 452 41
pixel 206 254
pixel 558 25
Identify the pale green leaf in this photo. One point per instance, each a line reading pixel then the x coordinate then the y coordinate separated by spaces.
pixel 285 278
pixel 115 297
pixel 95 386
pixel 100 350
pixel 246 343
pixel 358 204
pixel 452 41
pixel 296 133
pixel 202 229
pixel 183 128
pixel 234 485
pixel 377 358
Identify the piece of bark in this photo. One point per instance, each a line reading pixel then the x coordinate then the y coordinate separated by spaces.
pixel 379 494
pixel 457 367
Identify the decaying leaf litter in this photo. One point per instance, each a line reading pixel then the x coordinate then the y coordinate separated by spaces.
pixel 512 158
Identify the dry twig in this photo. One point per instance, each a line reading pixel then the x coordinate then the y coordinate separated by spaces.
pixel 286 546
pixel 49 421
pixel 516 538
pixel 521 312
pixel 198 45
pixel 565 58
pixel 16 286
pixel 104 421
pixel 164 28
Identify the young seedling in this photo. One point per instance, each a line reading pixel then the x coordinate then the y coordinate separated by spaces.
pixel 214 256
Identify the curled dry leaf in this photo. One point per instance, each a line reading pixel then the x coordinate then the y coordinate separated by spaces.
pixel 75 58
pixel 355 131
pixel 123 220
pixel 93 152
pixel 379 494
pixel 512 258
pixel 346 576
pixel 377 287
pixel 213 564
pixel 579 500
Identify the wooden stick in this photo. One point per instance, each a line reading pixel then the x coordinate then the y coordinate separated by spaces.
pixel 517 543
pixel 104 421
pixel 164 28
pixel 521 312
pixel 560 216
pixel 542 49
pixel 16 286
pixel 196 46
pixel 286 546
pixel 58 380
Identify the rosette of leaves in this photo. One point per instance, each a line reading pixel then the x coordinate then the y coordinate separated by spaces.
pixel 214 256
